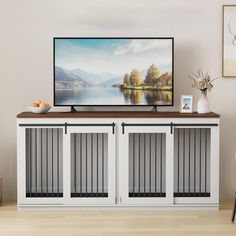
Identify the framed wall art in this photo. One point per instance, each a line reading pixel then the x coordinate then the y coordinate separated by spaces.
pixel 229 41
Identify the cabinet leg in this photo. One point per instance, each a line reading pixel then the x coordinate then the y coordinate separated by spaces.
pixel 234 208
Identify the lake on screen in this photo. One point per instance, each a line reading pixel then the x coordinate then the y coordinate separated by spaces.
pixel 111 96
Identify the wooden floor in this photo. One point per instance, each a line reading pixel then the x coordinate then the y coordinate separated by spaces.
pixel 114 223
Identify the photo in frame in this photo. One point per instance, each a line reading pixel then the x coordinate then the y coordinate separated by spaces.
pixel 186 104
pixel 229 41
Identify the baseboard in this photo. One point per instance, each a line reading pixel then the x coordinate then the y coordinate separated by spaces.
pixel 183 207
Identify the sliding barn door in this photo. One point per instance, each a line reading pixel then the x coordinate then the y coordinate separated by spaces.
pixel 196 168
pixel 90 167
pixel 146 165
pixel 40 165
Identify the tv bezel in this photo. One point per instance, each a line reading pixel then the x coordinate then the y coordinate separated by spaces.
pixel 118 105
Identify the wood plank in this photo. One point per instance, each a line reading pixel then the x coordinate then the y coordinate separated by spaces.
pixel 118 114
pixel 116 223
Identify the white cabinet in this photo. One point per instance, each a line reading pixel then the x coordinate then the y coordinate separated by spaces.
pixel 118 161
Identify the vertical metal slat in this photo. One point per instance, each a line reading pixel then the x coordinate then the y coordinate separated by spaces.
pixel 144 165
pixel 75 165
pixel 36 159
pixel 133 165
pixel 161 154
pixel 102 164
pixel 97 165
pixel 41 137
pixel 139 166
pixel 81 162
pixel 47 161
pixel 178 161
pixel 52 163
pixel 189 162
pixel 183 160
pixel 86 163
pixel 205 162
pixel 155 146
pixel 91 163
pixel 30 162
pixel 194 172
pixel 150 165
pixel 58 163
pixel 200 161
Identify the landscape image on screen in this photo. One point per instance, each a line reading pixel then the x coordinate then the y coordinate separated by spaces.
pixel 113 71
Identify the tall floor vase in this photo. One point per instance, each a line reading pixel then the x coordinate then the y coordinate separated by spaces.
pixel 203 104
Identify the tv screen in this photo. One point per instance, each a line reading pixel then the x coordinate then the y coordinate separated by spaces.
pixel 113 71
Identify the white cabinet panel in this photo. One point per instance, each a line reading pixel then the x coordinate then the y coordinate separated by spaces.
pixel 40 165
pixel 146 164
pixel 91 165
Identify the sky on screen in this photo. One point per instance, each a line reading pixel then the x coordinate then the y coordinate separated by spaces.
pixel 116 56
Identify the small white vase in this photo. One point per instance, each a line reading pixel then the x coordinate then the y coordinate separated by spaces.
pixel 202 103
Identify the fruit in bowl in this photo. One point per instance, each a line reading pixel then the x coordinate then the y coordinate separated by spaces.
pixel 39 107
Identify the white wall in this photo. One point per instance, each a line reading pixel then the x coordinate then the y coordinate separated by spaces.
pixel 28 26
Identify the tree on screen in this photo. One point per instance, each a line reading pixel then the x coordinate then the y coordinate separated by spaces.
pixel 153 75
pixel 135 78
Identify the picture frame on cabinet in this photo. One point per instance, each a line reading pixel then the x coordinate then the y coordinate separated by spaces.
pixel 186 104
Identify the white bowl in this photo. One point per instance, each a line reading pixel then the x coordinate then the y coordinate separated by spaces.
pixel 39 109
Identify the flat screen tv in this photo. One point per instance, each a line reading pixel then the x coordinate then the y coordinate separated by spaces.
pixel 113 71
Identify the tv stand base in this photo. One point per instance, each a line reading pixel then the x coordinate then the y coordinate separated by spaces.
pixel 154 109
pixel 72 109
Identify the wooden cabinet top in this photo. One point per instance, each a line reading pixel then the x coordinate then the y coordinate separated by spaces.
pixel 117 114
